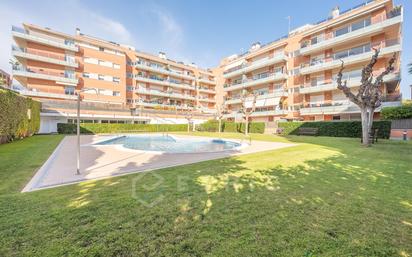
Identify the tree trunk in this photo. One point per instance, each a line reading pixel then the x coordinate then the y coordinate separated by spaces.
pixel 246 125
pixel 220 125
pixel 188 126
pixel 365 131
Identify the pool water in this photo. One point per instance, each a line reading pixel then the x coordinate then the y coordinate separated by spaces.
pixel 170 144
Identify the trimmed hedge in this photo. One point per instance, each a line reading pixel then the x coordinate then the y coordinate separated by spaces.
pixel 213 126
pixel 397 113
pixel 96 128
pixel 14 118
pixel 336 128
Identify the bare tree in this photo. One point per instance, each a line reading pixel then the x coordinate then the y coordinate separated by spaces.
pixel 220 112
pixel 369 96
pixel 245 110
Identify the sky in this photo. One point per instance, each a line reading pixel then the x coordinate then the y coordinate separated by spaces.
pixel 199 31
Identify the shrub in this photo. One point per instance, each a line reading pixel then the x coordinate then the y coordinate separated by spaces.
pixel 254 127
pixel 397 113
pixel 14 118
pixel 96 128
pixel 336 128
pixel 209 126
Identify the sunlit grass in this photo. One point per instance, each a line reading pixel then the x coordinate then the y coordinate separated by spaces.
pixel 322 197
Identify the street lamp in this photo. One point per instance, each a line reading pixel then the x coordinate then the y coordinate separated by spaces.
pixel 78 125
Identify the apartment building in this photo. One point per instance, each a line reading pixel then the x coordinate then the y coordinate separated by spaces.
pixel 116 83
pixel 295 76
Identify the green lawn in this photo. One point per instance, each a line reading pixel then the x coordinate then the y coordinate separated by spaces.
pixel 323 197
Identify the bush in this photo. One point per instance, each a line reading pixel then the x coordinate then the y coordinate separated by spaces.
pixel 336 128
pixel 397 113
pixel 96 128
pixel 14 117
pixel 209 126
pixel 254 127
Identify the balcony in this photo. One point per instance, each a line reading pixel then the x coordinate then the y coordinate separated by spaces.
pixel 386 48
pixel 207 81
pixel 267 78
pixel 166 71
pixel 258 113
pixel 206 99
pixel 248 67
pixel 344 106
pixel 267 97
pixel 43 56
pixel 47 95
pixel 332 85
pixel 60 78
pixel 375 28
pixel 155 104
pixel 165 94
pixel 44 39
pixel 164 82
pixel 206 90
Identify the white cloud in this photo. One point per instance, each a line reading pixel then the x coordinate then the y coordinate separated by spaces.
pixel 170 28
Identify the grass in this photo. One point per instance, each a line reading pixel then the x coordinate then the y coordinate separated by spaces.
pixel 323 197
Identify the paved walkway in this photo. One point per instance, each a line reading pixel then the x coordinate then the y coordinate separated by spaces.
pixel 98 162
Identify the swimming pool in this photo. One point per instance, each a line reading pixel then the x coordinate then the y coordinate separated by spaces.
pixel 171 144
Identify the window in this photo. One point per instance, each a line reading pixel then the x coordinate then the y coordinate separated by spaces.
pixel 116 66
pixel 341 31
pixel 336 117
pixel 69 90
pixel 116 93
pixel 101 49
pixel 86 75
pixel 116 79
pixel 101 77
pixel 317 39
pixel 129 88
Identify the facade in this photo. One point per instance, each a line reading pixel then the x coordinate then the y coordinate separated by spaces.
pixel 5 79
pixel 116 82
pixel 294 76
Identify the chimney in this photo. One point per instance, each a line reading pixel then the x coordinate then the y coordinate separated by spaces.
pixel 162 55
pixel 335 12
pixel 77 32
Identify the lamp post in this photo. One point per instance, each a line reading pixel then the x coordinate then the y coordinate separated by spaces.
pixel 78 126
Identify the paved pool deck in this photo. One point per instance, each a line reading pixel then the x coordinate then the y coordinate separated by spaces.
pixel 100 162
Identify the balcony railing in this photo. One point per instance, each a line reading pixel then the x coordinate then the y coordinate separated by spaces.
pixel 263 78
pixel 165 70
pixel 44 56
pixel 162 104
pixel 44 39
pixel 163 93
pixel 42 74
pixel 368 27
pixel 166 82
pixel 249 66
pixel 350 56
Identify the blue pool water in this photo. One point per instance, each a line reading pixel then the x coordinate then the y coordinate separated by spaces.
pixel 170 144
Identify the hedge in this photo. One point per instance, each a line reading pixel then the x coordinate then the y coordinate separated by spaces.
pixel 96 128
pixel 14 116
pixel 336 128
pixel 397 113
pixel 213 126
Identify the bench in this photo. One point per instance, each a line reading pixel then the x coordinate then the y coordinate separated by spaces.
pixel 308 131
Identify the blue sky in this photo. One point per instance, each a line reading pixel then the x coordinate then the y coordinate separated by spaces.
pixel 191 31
